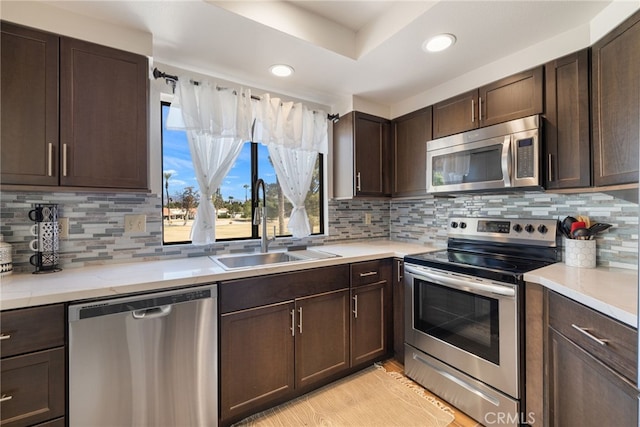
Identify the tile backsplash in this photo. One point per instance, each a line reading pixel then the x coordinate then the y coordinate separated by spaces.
pixel 425 221
pixel 96 224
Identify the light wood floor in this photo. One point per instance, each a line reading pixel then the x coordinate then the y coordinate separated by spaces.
pixel 461 420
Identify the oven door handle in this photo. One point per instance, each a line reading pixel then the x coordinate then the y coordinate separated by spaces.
pixel 461 284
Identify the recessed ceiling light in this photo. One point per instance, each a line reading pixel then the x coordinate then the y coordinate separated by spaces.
pixel 281 70
pixel 439 43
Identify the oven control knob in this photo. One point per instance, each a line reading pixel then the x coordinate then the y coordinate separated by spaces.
pixel 463 225
pixel 517 228
pixel 454 224
pixel 542 228
pixel 529 228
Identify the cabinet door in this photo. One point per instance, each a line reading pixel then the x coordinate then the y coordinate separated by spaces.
pixel 256 358
pixel 33 388
pixel 410 153
pixel 29 114
pixel 322 336
pixel 616 104
pixel 398 309
pixel 568 159
pixel 511 98
pixel 369 323
pixel 371 138
pixel 584 392
pixel 455 115
pixel 103 116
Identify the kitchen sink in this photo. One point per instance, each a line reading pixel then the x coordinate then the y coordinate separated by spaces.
pixel 234 262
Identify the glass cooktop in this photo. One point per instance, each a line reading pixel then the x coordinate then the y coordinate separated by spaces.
pixel 490 266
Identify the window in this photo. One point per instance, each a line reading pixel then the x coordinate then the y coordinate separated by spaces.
pixel 234 198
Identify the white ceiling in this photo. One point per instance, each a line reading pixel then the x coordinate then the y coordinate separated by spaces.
pixel 370 49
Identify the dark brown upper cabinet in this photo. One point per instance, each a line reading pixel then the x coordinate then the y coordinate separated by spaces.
pixel 615 104
pixel 567 158
pixel 79 112
pixel 361 156
pixel 411 133
pixel 29 116
pixel 513 97
pixel 103 120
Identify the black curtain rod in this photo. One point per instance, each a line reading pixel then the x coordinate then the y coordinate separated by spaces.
pixel 157 74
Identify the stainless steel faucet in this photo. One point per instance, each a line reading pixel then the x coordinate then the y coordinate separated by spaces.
pixel 260 215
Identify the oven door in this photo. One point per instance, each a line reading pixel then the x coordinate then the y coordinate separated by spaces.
pixel 468 323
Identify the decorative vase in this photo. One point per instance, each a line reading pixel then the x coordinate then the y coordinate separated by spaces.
pixel 6 263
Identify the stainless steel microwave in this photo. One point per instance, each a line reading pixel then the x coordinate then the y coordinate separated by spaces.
pixel 502 156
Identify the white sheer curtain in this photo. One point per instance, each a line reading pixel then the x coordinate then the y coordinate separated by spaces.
pixel 218 123
pixel 294 136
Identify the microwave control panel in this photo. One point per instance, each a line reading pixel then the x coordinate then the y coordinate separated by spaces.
pixel 525 158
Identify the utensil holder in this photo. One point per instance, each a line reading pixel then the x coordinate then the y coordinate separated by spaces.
pixel 46 244
pixel 580 253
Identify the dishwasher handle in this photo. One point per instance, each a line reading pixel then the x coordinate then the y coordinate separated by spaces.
pixel 152 313
pixel 141 306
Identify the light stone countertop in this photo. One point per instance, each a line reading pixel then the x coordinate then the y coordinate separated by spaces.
pixel 611 291
pixel 73 284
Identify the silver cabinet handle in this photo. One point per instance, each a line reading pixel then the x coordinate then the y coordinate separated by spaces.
pixel 5 397
pixel 400 267
pixel 480 109
pixel 300 319
pixel 370 273
pixel 4 337
pixel 355 306
pixel 293 323
pixel 473 111
pixel 50 160
pixel 586 332
pixel 64 159
pixel 550 168
pixel 358 186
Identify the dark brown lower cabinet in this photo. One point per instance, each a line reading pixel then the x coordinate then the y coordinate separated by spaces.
pixel 584 392
pixel 322 337
pixel 368 325
pixel 283 335
pixel 591 366
pixel 256 358
pixel 33 387
pixel 371 311
pixel 259 367
pixel 33 366
pixel 398 309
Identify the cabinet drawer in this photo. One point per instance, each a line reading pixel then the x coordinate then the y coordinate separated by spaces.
pixel 368 272
pixel 252 292
pixel 608 340
pixel 31 329
pixel 33 388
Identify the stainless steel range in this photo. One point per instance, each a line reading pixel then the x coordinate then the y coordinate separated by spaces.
pixel 464 310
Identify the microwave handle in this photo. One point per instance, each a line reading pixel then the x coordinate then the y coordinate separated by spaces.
pixel 506 160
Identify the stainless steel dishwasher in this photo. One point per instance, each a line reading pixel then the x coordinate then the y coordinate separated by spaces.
pixel 148 360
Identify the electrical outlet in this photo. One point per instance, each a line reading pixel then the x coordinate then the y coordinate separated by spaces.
pixel 135 223
pixel 63 228
pixel 367 218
